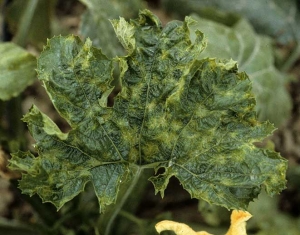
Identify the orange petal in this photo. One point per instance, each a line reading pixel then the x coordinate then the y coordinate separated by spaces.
pixel 238 222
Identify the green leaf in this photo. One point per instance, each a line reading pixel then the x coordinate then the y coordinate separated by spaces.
pixel 254 55
pixel 269 219
pixel 17 70
pixel 193 118
pixel 96 26
pixel 276 18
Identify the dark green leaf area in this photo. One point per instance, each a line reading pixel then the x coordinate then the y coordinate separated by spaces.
pixel 204 116
pixel 156 73
pixel 226 180
pixel 75 75
pixel 213 155
pixel 194 118
pixel 63 168
pixel 50 179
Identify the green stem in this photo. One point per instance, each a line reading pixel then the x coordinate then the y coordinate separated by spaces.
pixel 15 125
pixel 139 222
pixel 132 218
pixel 108 218
pixel 59 223
pixel 295 55
pixel 25 22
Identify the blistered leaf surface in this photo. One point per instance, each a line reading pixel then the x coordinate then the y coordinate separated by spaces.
pixel 254 55
pixel 193 118
pixel 17 70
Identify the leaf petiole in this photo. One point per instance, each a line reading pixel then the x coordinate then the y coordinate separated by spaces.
pixel 107 219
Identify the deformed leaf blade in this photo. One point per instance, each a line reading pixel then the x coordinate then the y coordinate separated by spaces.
pixel 194 118
pixel 61 172
pixel 214 157
pixel 254 55
pixel 76 76
pixel 75 91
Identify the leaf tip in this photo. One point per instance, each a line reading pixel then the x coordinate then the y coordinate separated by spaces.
pixel 125 33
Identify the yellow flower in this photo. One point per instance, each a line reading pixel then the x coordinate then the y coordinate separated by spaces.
pixel 178 228
pixel 237 227
pixel 238 222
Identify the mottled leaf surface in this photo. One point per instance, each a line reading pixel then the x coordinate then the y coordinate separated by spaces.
pixel 16 70
pixel 193 118
pixel 254 55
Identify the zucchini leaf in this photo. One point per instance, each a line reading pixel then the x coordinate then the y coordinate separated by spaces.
pixel 254 55
pixel 269 220
pixel 17 70
pixel 192 118
pixel 276 18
